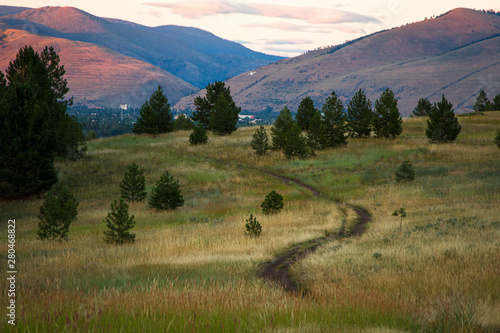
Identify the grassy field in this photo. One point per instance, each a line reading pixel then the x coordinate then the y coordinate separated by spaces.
pixel 193 269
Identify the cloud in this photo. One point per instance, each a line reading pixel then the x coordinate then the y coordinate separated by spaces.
pixel 288 42
pixel 311 15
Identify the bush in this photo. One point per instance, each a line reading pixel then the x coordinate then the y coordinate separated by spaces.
pixel 260 141
pixel 133 185
pixel 273 203
pixel 253 227
pixel 405 172
pixel 166 193
pixel 56 215
pixel 199 135
pixel 119 223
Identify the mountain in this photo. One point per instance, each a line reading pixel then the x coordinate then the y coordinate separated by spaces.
pixel 194 55
pixel 98 76
pixel 7 10
pixel 455 54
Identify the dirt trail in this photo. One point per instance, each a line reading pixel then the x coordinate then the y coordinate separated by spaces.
pixel 279 269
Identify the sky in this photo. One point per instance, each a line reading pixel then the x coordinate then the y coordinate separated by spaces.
pixel 280 27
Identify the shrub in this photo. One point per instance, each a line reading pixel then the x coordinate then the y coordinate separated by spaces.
pixel 199 135
pixel 260 141
pixel 253 227
pixel 119 223
pixel 133 185
pixel 405 172
pixel 166 193
pixel 273 203
pixel 56 215
pixel 183 123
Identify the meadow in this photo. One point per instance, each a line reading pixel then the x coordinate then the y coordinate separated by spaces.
pixel 193 269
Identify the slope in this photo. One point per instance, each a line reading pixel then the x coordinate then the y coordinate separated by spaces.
pixel 454 54
pixel 97 75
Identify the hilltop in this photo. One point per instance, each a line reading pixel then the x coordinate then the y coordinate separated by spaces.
pixel 453 54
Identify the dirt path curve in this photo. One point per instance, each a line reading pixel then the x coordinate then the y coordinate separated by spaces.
pixel 278 270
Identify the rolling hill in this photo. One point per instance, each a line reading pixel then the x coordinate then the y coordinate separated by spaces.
pixel 194 55
pixel 98 76
pixel 455 54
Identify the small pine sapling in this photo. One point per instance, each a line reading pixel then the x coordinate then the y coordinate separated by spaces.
pixel 402 213
pixel 405 172
pixel 133 185
pixel 119 223
pixel 497 139
pixel 166 193
pixel 253 227
pixel 56 215
pixel 260 141
pixel 273 203
pixel 199 135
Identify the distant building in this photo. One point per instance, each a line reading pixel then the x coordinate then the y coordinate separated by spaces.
pixel 124 106
pixel 246 116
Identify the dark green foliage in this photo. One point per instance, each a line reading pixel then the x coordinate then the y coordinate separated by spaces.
pixel 166 194
pixel 91 135
pixel 223 118
pixel 495 106
pixel 34 125
pixel 155 116
pixel 442 125
pixel 482 102
pixel 260 141
pixel 334 124
pixel 283 124
pixel 497 139
pixel 133 185
pixel 56 214
pixel 183 123
pixel 296 144
pixel 401 212
pixel 405 172
pixel 273 203
pixel 359 115
pixel 199 135
pixel 305 113
pixel 422 109
pixel 253 227
pixel 387 122
pixel 205 105
pixel 316 138
pixel 119 222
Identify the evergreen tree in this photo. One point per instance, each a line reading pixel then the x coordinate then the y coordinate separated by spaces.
pixel 260 141
pixel 119 222
pixel 133 185
pixel 155 116
pixel 405 172
pixel 253 227
pixel 334 122
pixel 387 121
pixel 56 214
pixel 183 123
pixel 34 125
pixel 422 109
pixel 482 102
pixel 296 144
pixel 442 125
pixel 223 118
pixel 359 115
pixel 205 105
pixel 316 137
pixel 199 135
pixel 305 113
pixel 497 139
pixel 273 203
pixel 495 106
pixel 283 124
pixel 166 194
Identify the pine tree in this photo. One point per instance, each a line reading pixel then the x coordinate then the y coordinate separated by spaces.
pixel 305 113
pixel 442 125
pixel 359 115
pixel 166 194
pixel 334 122
pixel 283 124
pixel 260 141
pixel 296 144
pixel 495 106
pixel 482 102
pixel 405 172
pixel 199 135
pixel 387 121
pixel 133 185
pixel 273 203
pixel 205 105
pixel 223 118
pixel 119 222
pixel 56 214
pixel 422 109
pixel 497 139
pixel 183 123
pixel 155 116
pixel 253 227
pixel 316 138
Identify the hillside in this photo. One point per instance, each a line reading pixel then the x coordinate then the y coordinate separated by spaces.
pixel 195 56
pixel 454 54
pixel 97 75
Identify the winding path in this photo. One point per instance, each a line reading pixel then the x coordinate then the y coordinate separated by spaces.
pixel 278 270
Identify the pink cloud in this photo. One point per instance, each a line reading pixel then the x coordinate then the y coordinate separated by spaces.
pixel 288 41
pixel 311 15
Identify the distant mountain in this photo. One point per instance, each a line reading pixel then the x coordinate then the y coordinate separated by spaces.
pixel 98 76
pixel 194 55
pixel 7 10
pixel 455 54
